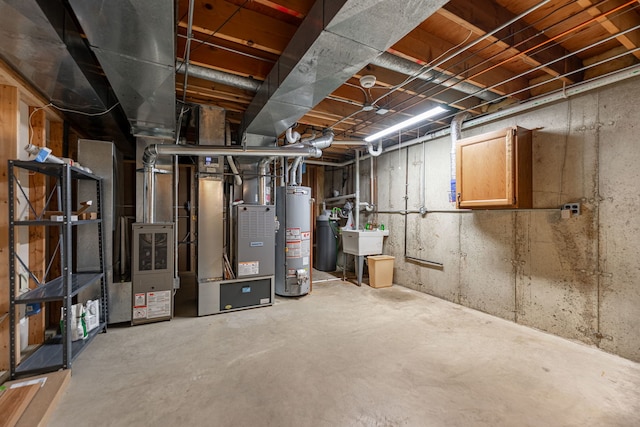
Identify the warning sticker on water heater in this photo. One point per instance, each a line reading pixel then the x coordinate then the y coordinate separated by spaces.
pixel 305 235
pixel 292 234
pixel 248 268
pixel 294 249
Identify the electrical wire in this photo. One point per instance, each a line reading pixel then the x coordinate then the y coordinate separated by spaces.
pixel 429 93
pixel 66 110
pixel 439 61
pixel 210 36
pixel 490 60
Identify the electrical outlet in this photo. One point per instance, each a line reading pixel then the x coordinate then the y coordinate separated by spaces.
pixel 570 210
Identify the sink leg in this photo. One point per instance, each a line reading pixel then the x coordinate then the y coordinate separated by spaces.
pixel 359 268
pixel 344 266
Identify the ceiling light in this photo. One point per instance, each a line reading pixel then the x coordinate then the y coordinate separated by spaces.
pixel 420 117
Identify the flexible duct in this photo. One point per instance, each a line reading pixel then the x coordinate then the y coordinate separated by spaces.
pixel 321 142
pixel 404 66
pixel 456 134
pixel 221 77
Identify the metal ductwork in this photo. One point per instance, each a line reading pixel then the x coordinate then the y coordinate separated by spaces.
pixel 152 152
pixel 216 76
pixel 404 66
pixel 42 42
pixel 134 41
pixel 335 41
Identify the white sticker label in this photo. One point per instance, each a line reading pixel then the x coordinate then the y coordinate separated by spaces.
pixel 294 249
pixel 140 300
pixel 292 233
pixel 158 304
pixel 248 267
pixel 265 300
pixel 305 250
pixel 305 260
pixel 140 313
pixel 305 235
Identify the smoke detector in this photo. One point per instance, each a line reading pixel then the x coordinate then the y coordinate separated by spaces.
pixel 367 81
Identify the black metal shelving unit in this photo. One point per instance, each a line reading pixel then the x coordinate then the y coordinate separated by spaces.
pixel 60 351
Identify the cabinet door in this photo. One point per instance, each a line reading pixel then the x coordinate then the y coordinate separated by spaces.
pixel 487 170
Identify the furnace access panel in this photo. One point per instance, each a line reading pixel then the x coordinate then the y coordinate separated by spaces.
pixel 152 272
pixel 256 237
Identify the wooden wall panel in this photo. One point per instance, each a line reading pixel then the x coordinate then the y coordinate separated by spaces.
pixel 9 117
pixel 37 239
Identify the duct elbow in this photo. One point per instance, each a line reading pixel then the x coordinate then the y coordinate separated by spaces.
pixel 377 151
pixel 150 155
pixel 316 152
pixel 324 141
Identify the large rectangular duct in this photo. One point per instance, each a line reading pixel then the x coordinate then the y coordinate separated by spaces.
pixel 41 42
pixel 335 40
pixel 134 41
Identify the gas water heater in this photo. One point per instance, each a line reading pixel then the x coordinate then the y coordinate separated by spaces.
pixel 293 241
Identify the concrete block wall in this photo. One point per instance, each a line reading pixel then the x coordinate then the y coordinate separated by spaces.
pixel 578 278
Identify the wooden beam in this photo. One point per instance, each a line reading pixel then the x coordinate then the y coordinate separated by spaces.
pixel 484 16
pixel 227 60
pixel 37 240
pixel 227 21
pixel 9 119
pixel 615 24
pixel 422 47
pixel 610 65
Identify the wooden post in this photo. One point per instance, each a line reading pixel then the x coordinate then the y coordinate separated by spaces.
pixel 37 240
pixel 9 119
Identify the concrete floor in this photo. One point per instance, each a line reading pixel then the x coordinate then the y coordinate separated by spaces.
pixel 347 356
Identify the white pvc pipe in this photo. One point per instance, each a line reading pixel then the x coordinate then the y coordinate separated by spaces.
pixel 292 137
pixel 234 169
pixel 357 207
pixel 377 151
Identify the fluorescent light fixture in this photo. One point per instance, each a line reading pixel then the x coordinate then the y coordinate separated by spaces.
pixel 420 117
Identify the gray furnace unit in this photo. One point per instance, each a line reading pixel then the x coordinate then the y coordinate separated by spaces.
pixel 293 252
pixel 254 262
pixel 152 273
pixel 255 245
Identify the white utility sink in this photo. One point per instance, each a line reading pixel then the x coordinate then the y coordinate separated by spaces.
pixel 363 242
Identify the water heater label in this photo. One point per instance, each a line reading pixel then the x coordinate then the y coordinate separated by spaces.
pixel 257 244
pixel 306 235
pixel 248 268
pixel 293 233
pixel 294 249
